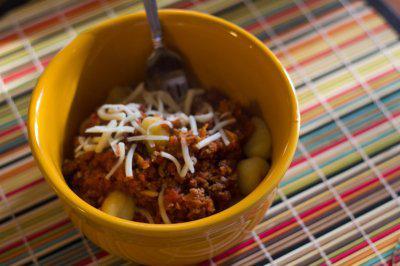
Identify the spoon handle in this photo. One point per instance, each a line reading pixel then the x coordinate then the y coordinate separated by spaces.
pixel 154 22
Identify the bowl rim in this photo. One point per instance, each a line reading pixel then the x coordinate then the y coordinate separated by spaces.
pixel 268 184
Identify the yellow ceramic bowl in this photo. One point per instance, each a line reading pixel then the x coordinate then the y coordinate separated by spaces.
pixel 114 53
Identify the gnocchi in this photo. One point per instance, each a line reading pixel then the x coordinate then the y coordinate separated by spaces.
pixel 119 204
pixel 259 144
pixel 250 172
pixel 156 129
pixel 258 122
pixel 152 125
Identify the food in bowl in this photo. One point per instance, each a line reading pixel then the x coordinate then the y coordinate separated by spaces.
pixel 76 81
pixel 144 157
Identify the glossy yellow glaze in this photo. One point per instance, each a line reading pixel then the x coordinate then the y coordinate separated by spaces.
pixel 114 53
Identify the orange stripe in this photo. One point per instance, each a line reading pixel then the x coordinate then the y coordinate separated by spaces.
pixel 14 171
pixel 335 30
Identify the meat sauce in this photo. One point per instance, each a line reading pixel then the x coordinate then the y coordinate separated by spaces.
pixel 211 188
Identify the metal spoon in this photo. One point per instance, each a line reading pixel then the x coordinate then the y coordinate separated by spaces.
pixel 165 69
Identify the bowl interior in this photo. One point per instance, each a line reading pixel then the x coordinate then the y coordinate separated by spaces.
pixel 114 53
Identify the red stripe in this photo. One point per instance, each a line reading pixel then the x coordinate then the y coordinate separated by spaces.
pixel 43 24
pixel 298 161
pixel 286 12
pixel 48 229
pixel 11 246
pixel 84 262
pixel 26 71
pixel 183 4
pixel 358 86
pixel 20 189
pixel 370 182
pixel 233 250
pixel 11 130
pixel 302 215
pixel 11 37
pixel 16 75
pixel 85 7
pixel 277 228
pixel 101 254
pixel 364 244
pixel 46 60
pixel 271 18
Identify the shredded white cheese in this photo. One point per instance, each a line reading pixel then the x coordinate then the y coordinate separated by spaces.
pixel 124 121
pixel 168 100
pixel 136 92
pixel 138 127
pixel 103 129
pixel 128 161
pixel 161 206
pixel 225 115
pixel 201 144
pixel 222 132
pixel 121 158
pixel 103 114
pixel 186 155
pixel 203 118
pixel 89 147
pixel 113 144
pixel 193 125
pixel 222 124
pixel 105 137
pixel 173 159
pixel 158 123
pixel 81 141
pixel 187 104
pixel 79 153
pixel 153 112
pixel 183 118
pixel 132 111
pixel 121 124
pixel 146 214
pixel 160 105
pixel 185 168
pixel 184 171
pixel 148 137
pixel 149 98
pixel 224 137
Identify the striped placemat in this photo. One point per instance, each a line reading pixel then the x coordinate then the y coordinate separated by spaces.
pixel 338 203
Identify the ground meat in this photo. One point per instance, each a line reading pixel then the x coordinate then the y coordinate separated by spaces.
pixel 210 189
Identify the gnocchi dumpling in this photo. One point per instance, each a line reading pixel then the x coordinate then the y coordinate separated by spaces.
pixel 250 172
pixel 153 125
pixel 153 122
pixel 258 122
pixel 119 204
pixel 259 144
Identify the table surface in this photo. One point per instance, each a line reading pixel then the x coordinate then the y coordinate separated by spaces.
pixel 338 203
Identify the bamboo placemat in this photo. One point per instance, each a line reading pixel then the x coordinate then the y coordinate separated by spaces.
pixel 338 203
